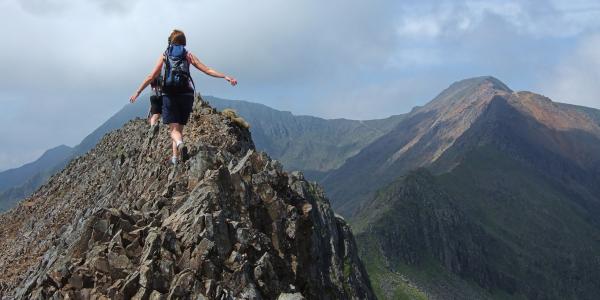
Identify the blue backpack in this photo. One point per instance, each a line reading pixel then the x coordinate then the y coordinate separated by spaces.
pixel 177 78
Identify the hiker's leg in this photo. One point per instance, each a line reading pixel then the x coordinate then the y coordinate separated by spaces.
pixel 154 119
pixel 175 136
pixel 176 129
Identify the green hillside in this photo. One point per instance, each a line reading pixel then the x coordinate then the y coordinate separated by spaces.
pixel 509 211
pixel 493 225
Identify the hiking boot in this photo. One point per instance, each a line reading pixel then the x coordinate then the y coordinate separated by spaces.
pixel 183 151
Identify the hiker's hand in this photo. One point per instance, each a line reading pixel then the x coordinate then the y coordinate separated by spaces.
pixel 134 96
pixel 231 80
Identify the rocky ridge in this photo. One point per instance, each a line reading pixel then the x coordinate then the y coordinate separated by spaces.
pixel 229 223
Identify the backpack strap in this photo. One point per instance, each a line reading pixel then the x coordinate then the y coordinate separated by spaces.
pixel 189 75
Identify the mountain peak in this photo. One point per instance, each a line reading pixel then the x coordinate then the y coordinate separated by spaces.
pixel 120 222
pixel 477 91
pixel 489 81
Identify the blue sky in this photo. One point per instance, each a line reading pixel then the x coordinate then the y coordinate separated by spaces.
pixel 68 65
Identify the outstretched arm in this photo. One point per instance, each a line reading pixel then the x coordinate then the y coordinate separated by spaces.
pixel 155 72
pixel 208 71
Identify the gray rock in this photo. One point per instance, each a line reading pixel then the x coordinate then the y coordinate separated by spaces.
pixel 286 296
pixel 228 223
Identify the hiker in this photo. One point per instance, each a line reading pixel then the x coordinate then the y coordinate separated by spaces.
pixel 155 105
pixel 177 88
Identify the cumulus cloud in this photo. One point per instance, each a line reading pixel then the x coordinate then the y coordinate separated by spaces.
pixel 576 79
pixel 431 19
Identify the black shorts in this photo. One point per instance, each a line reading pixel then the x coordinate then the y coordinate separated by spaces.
pixel 156 104
pixel 177 108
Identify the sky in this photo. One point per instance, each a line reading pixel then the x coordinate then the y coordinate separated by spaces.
pixel 68 65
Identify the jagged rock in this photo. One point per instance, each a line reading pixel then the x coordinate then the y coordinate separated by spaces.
pixel 229 223
pixel 295 296
pixel 182 285
pixel 155 295
pixel 130 286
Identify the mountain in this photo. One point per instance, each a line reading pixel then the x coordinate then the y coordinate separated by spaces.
pixel 313 145
pixel 120 222
pixel 13 177
pixel 484 193
pixel 17 183
pixel 418 140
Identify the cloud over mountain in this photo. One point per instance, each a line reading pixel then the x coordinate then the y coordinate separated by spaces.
pixel 311 57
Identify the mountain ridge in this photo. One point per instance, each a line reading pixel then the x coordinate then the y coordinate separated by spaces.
pixel 418 140
pixel 120 222
pixel 311 144
pixel 518 189
pixel 427 132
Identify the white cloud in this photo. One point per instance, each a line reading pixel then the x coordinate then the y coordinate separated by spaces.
pixel 73 63
pixel 436 19
pixel 576 79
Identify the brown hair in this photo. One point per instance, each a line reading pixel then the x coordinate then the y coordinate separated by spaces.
pixel 177 37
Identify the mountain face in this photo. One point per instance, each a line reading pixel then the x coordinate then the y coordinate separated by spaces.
pixel 120 222
pixel 312 145
pixel 418 140
pixel 504 204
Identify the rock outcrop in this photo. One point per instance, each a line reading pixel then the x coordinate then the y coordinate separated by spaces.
pixel 229 223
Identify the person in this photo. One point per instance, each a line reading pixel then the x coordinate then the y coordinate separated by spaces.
pixel 177 88
pixel 155 105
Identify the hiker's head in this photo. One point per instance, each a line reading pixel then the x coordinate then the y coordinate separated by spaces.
pixel 177 37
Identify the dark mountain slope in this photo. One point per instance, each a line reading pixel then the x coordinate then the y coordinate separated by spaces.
pixel 417 240
pixel 512 212
pixel 14 177
pixel 229 223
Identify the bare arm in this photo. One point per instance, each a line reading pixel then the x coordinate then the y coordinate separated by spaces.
pixel 209 71
pixel 155 72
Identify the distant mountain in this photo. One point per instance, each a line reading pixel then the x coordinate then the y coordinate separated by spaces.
pixel 313 145
pixel 483 193
pixel 307 143
pixel 419 139
pixel 18 183
pixel 12 177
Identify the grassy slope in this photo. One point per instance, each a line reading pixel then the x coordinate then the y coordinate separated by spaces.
pixel 536 216
pixel 545 232
pixel 387 284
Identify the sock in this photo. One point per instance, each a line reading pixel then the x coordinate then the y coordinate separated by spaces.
pixel 178 143
pixel 174 159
